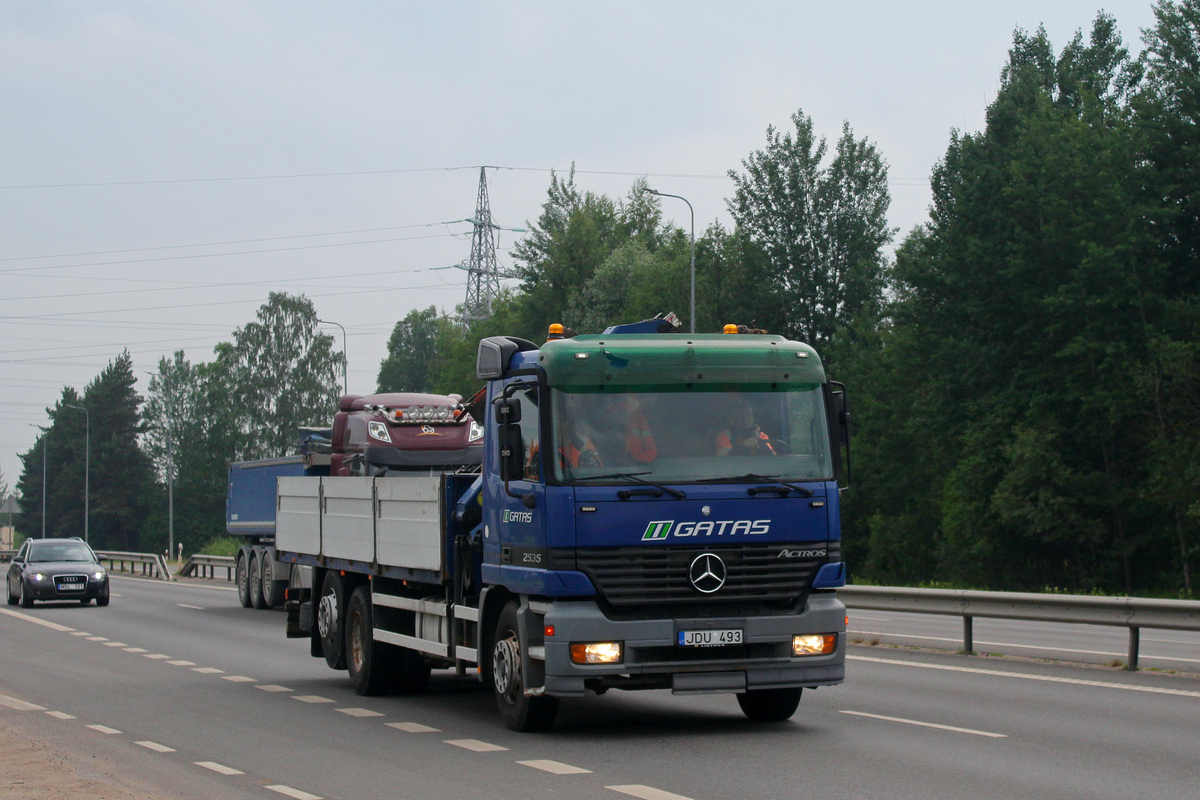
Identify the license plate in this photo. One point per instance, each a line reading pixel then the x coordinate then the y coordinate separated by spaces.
pixel 710 638
pixel 71 587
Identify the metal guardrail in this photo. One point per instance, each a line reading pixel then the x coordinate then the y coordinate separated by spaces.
pixel 1133 613
pixel 202 566
pixel 153 564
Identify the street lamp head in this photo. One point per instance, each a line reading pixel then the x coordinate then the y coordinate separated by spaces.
pixel 648 190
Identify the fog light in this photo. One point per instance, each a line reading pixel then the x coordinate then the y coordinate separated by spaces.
pixel 814 644
pixel 596 653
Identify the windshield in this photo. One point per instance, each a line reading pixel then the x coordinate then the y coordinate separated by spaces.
pixel 686 436
pixel 60 551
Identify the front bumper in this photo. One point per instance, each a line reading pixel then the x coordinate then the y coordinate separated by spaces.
pixel 653 659
pixel 48 589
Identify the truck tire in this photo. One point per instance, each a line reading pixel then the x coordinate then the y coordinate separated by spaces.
pixel 271 589
pixel 770 705
pixel 330 611
pixel 242 578
pixel 372 664
pixel 255 577
pixel 519 712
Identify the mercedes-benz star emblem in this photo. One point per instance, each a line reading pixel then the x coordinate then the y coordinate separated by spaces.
pixel 707 573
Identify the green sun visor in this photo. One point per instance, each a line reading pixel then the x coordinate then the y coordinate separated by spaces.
pixel 594 363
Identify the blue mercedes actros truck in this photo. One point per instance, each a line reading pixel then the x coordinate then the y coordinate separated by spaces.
pixel 653 510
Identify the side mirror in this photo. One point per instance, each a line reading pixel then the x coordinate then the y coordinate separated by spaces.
pixel 839 423
pixel 508 411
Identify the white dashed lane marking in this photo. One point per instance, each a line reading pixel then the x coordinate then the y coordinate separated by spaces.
pixel 555 767
pixel 927 724
pixel 646 792
pixel 288 791
pixel 271 687
pixel 104 729
pixel 97 639
pixel 475 745
pixel 19 705
pixel 238 679
pixel 134 649
pixel 412 727
pixel 115 644
pixel 221 768
pixel 80 633
pixel 156 747
pixel 185 605
pixel 208 670
pixel 312 698
pixel 182 663
pixel 359 712
pixel 60 715
pixel 156 656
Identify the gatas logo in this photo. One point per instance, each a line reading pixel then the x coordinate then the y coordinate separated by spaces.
pixel 662 529
pixel 516 516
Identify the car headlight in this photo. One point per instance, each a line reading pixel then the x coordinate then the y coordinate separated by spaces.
pixel 37 576
pixel 99 575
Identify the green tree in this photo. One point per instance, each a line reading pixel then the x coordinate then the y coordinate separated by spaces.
pixel 822 227
pixel 412 353
pixel 282 373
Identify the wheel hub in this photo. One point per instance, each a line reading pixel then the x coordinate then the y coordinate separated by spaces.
pixel 327 616
pixel 506 666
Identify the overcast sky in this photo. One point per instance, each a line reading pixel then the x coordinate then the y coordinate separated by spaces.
pixel 164 165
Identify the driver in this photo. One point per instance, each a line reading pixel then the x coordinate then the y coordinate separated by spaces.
pixel 742 437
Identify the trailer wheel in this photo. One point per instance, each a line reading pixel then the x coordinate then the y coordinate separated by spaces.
pixel 371 664
pixel 519 712
pixel 770 705
pixel 242 578
pixel 330 610
pixel 255 578
pixel 271 589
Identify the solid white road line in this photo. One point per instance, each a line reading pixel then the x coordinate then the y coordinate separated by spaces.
pixel 555 767
pixel 156 747
pixel 475 745
pixel 1024 646
pixel 927 724
pixel 646 792
pixel 221 768
pixel 18 705
pixel 288 791
pixel 412 727
pixel 54 626
pixel 1129 687
pixel 104 729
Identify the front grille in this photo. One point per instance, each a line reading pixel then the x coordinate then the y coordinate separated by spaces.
pixel 70 583
pixel 756 576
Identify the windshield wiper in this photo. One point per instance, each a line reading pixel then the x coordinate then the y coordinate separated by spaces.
pixel 805 492
pixel 634 476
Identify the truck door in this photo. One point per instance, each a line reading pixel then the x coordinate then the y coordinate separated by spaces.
pixel 515 514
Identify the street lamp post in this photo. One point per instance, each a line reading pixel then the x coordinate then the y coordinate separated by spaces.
pixel 87 469
pixel 692 212
pixel 345 357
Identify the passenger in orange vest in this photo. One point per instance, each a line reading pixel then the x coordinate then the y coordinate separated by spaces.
pixel 742 437
pixel 639 443
pixel 579 451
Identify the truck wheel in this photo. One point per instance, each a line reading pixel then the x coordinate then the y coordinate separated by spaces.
pixel 271 590
pixel 770 705
pixel 242 578
pixel 330 609
pixel 255 578
pixel 519 712
pixel 371 664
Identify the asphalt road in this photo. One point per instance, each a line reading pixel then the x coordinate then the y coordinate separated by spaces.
pixel 181 687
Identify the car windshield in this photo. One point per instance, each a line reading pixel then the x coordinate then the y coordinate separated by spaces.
pixel 686 436
pixel 60 551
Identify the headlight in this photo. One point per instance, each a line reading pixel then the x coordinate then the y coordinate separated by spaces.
pixel 814 644
pixel 476 432
pixel 99 575
pixel 378 430
pixel 37 576
pixel 596 653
